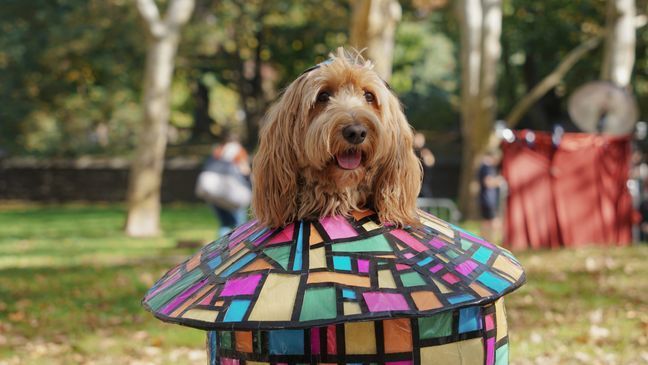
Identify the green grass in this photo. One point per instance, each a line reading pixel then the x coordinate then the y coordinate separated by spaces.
pixel 71 284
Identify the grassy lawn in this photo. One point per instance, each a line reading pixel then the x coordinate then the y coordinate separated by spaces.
pixel 71 282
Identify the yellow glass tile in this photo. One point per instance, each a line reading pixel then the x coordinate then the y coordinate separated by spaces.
pixel 230 261
pixel 500 319
pixel 360 338
pixel 466 352
pixel 201 315
pixel 370 226
pixel 444 229
pixel 505 265
pixel 219 303
pixel 441 257
pixel 386 279
pixel 480 290
pixel 351 308
pixel 339 278
pixel 315 237
pixel 317 258
pixel 276 299
pixel 444 289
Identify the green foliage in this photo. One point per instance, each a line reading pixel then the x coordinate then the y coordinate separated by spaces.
pixel 71 72
pixel 426 71
pixel 536 36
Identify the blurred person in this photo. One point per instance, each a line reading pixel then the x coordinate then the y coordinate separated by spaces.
pixel 427 161
pixel 490 182
pixel 232 151
pixel 225 183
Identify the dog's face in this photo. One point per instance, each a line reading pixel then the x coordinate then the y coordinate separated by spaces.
pixel 343 128
pixel 336 141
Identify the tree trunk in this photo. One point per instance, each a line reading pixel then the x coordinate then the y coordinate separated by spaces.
pixel 373 27
pixel 620 40
pixel 481 22
pixel 145 177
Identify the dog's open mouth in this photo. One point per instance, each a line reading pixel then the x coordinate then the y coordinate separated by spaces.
pixel 349 159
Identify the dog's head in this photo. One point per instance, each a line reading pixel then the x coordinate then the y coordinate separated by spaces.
pixel 336 141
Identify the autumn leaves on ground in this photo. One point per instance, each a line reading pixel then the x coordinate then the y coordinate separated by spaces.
pixel 71 284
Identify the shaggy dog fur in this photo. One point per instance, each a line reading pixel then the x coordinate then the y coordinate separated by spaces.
pixel 336 141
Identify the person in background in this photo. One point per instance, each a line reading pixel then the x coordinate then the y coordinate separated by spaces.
pixel 232 151
pixel 427 160
pixel 490 182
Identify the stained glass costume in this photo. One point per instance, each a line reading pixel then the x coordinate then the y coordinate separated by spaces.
pixel 345 291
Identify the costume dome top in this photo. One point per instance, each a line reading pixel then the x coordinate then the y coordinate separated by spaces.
pixel 332 270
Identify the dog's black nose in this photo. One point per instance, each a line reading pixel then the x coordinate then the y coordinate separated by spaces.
pixel 354 133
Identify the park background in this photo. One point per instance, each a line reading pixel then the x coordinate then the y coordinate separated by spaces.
pixel 73 92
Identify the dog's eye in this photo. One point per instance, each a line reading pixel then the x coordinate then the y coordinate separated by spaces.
pixel 323 97
pixel 369 97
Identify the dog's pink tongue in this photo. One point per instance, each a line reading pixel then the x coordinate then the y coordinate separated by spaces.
pixel 349 160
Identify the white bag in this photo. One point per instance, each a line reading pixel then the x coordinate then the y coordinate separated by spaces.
pixel 223 188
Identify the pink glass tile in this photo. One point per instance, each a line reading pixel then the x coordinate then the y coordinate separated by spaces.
pixel 284 236
pixel 450 278
pixel 436 242
pixel 315 340
pixel 490 351
pixel 338 227
pixel 412 242
pixel 490 324
pixel 466 267
pixel 331 340
pixel 207 300
pixel 241 286
pixel 363 265
pixel 436 268
pixel 228 361
pixel 381 302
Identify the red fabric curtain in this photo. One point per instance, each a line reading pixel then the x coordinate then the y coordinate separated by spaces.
pixel 570 195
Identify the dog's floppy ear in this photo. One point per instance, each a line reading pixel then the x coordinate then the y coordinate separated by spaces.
pixel 274 169
pixel 397 183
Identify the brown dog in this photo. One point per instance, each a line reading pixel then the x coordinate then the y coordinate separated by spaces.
pixel 336 141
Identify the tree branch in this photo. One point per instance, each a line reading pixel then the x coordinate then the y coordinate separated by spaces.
pixel 148 10
pixel 178 13
pixel 550 81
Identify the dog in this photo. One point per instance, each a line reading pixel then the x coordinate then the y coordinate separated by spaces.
pixel 335 142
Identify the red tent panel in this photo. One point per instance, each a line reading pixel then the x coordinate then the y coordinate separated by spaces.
pixel 571 195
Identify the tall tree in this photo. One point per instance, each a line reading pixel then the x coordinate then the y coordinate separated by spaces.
pixel 373 27
pixel 481 27
pixel 146 170
pixel 620 42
